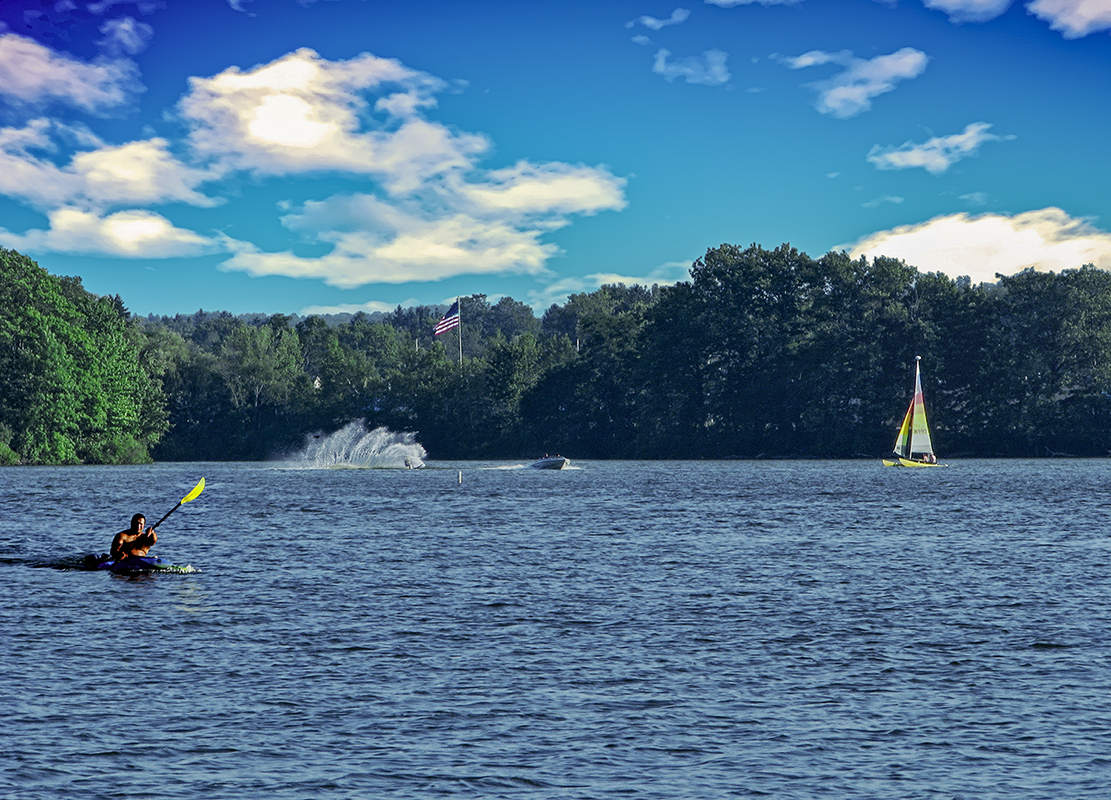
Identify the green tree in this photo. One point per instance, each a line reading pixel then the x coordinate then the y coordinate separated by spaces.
pixel 261 367
pixel 72 387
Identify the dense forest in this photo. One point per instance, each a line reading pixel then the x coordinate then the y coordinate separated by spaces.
pixel 761 354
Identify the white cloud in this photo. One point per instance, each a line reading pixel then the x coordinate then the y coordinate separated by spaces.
pixel 408 248
pixel 437 213
pixel 303 113
pixel 33 74
pixel 709 70
pixel 893 199
pixel 677 17
pixel 641 39
pixel 139 172
pixel 531 189
pixel 981 246
pixel 127 234
pixel 734 3
pixel 369 307
pixel 935 155
pixel 850 92
pixel 125 35
pixel 440 214
pixel 969 10
pixel 1074 18
pixel 377 242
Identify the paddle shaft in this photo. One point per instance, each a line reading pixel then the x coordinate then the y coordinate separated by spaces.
pixel 171 511
pixel 192 495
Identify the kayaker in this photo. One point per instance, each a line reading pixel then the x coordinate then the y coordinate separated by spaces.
pixel 135 541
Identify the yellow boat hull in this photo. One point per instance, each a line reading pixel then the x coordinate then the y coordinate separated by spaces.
pixel 906 462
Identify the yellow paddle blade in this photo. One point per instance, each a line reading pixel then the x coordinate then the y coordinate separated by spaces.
pixel 193 494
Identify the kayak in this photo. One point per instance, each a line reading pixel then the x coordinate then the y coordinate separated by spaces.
pixel 135 564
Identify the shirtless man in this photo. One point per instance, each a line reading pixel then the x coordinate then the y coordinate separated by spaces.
pixel 134 541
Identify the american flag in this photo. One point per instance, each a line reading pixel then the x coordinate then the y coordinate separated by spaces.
pixel 450 320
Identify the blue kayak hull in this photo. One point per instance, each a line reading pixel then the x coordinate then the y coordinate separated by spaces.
pixel 141 564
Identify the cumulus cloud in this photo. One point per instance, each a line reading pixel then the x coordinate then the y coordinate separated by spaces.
pixel 544 189
pixel 125 35
pixel 140 172
pixel 935 155
pixel 677 17
pixel 439 215
pixel 434 212
pixel 393 245
pixel 969 10
pixel 303 113
pixel 129 234
pixel 1073 18
pixel 486 228
pixel 33 74
pixel 981 246
pixel 708 70
pixel 850 91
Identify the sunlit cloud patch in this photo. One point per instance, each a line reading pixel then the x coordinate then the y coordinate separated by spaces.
pixel 988 244
pixel 103 176
pixel 303 113
pixel 128 234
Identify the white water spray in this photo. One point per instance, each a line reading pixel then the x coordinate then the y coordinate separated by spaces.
pixel 355 447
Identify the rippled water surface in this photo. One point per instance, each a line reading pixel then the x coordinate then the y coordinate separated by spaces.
pixel 622 629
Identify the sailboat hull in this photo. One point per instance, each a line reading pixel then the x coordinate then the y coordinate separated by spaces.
pixel 906 462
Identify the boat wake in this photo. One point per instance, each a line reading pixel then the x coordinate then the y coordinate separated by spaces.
pixel 354 447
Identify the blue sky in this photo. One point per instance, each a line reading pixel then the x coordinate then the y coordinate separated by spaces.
pixel 344 155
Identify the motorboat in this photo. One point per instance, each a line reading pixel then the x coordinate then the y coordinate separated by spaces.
pixel 550 462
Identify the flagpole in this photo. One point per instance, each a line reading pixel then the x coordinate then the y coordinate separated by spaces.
pixel 460 331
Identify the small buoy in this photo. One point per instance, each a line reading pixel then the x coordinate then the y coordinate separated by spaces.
pixel 460 477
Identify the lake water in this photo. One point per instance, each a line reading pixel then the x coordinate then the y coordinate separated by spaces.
pixel 621 629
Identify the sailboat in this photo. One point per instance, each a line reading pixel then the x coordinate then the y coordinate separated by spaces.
pixel 913 447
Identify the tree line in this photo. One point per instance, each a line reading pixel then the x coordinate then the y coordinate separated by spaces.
pixel 761 354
